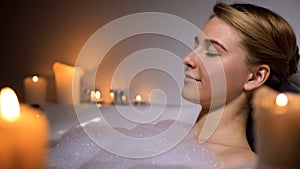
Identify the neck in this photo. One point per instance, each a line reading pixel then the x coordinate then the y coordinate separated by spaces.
pixel 228 128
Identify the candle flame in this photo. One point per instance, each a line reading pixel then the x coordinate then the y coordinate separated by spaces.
pixel 35 79
pixel 10 107
pixel 281 100
pixel 138 98
pixel 97 94
pixel 111 94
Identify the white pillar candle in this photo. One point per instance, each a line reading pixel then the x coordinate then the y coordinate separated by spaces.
pixel 35 90
pixel 277 128
pixel 24 133
pixel 67 80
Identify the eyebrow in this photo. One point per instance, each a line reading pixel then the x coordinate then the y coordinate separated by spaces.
pixel 216 43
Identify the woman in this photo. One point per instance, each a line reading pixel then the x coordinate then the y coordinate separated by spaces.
pixel 255 47
pixel 244 48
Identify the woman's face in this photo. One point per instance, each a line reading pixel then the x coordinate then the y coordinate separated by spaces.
pixel 216 65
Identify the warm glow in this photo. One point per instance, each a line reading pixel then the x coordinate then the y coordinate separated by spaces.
pixel 93 94
pixel 281 100
pixel 97 94
pixel 124 98
pixel 111 94
pixel 138 98
pixel 35 79
pixel 10 108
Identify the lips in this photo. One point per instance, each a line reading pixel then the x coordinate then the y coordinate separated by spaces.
pixel 190 77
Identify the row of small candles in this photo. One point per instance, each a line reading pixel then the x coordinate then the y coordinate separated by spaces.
pixel 36 89
pixel 96 97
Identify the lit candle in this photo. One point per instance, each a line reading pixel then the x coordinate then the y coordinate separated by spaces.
pixel 23 131
pixel 124 99
pixel 35 89
pixel 112 96
pixel 139 100
pixel 67 80
pixel 281 100
pixel 95 96
pixel 277 128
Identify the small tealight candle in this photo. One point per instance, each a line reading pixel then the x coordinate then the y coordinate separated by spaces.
pixel 124 99
pixel 112 96
pixel 139 100
pixel 35 89
pixel 95 96
pixel 277 128
pixel 24 132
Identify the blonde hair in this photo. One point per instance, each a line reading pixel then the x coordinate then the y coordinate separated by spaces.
pixel 267 37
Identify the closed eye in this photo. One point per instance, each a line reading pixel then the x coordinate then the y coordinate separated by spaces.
pixel 210 50
pixel 211 54
pixel 209 45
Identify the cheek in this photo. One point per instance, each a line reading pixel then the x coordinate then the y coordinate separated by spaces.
pixel 236 77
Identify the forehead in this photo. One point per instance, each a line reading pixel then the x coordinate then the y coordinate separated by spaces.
pixel 217 29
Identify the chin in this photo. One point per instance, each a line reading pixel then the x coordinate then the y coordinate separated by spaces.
pixel 190 95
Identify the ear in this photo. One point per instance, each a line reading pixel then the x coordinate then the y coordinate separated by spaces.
pixel 257 77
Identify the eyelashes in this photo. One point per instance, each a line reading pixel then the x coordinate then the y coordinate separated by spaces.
pixel 209 50
pixel 211 54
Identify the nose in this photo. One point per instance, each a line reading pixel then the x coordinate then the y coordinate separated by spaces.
pixel 189 60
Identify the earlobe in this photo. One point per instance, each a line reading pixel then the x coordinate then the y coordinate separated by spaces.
pixel 258 77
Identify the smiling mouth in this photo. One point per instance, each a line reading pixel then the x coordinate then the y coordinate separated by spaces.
pixel 192 78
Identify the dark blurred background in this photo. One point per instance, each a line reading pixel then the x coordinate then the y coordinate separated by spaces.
pixel 35 34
